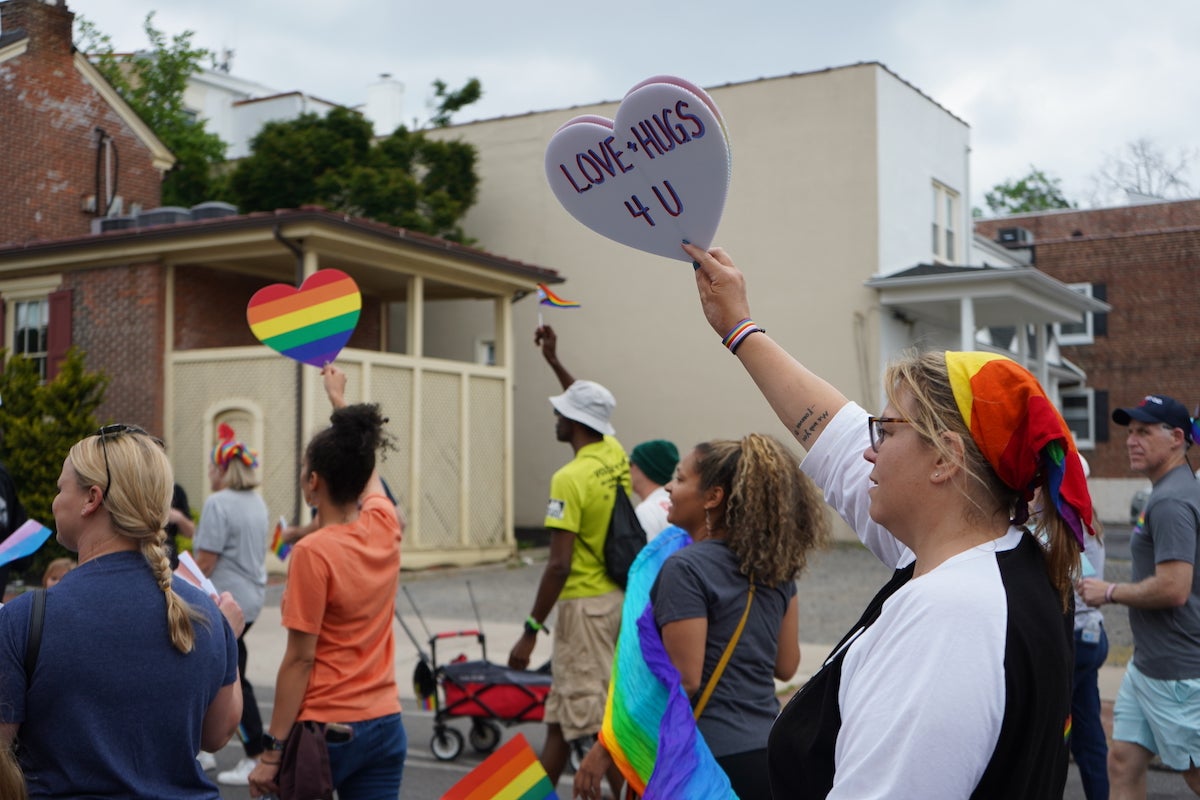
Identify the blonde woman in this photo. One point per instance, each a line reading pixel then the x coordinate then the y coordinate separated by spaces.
pixel 137 671
pixel 231 549
pixel 956 681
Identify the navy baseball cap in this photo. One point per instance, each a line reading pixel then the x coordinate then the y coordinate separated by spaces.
pixel 1157 408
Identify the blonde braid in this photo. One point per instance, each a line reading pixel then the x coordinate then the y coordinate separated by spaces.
pixel 179 612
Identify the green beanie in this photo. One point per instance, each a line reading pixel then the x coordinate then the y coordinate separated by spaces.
pixel 657 458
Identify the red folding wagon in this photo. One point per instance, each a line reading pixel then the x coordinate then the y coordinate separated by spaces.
pixel 488 694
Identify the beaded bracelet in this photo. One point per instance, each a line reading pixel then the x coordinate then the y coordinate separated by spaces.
pixel 733 340
pixel 1108 595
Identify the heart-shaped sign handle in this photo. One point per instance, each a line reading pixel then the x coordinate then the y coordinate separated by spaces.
pixel 310 324
pixel 655 175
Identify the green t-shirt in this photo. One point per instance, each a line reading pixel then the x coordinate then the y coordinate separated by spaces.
pixel 582 493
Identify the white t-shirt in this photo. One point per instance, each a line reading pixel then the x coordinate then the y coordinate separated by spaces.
pixel 652 512
pixel 898 730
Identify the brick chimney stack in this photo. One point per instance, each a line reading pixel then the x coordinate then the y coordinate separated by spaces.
pixel 47 23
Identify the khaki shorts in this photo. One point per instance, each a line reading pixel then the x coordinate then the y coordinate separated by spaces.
pixel 585 637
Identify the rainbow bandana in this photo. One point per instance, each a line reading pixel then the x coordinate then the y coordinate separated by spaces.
pixel 228 448
pixel 1020 432
pixel 648 726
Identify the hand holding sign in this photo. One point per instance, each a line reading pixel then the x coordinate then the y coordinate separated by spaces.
pixel 310 324
pixel 654 176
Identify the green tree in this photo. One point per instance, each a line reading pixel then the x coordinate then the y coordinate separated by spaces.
pixel 405 179
pixel 40 422
pixel 1035 192
pixel 447 102
pixel 153 83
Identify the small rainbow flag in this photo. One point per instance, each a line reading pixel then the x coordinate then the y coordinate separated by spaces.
pixel 278 546
pixel 549 298
pixel 24 541
pixel 511 773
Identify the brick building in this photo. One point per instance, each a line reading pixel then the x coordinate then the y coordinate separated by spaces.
pixel 1144 260
pixel 79 149
pixel 156 298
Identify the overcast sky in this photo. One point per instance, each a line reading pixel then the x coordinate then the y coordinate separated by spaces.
pixel 1056 84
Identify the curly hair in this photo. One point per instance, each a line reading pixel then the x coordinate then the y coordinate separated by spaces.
pixel 344 453
pixel 773 514
pixel 925 379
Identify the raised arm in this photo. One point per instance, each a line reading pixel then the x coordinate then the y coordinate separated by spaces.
pixel 803 401
pixel 334 380
pixel 545 338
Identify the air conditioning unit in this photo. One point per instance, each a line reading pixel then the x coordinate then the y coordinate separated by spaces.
pixel 106 224
pixel 1014 237
pixel 213 209
pixel 165 215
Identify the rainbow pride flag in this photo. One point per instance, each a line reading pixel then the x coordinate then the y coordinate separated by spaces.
pixel 24 541
pixel 648 728
pixel 549 298
pixel 278 546
pixel 511 773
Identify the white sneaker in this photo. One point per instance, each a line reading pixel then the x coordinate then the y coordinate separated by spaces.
pixel 239 775
pixel 207 761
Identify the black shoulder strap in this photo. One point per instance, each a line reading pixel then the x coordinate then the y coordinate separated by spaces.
pixel 33 643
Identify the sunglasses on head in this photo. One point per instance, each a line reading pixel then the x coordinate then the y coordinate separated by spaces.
pixel 113 432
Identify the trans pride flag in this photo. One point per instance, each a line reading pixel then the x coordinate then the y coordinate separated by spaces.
pixel 24 541
pixel 648 728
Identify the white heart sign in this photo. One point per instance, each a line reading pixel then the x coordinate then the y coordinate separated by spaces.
pixel 654 176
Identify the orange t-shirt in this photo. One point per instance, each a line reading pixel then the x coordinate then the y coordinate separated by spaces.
pixel 341 586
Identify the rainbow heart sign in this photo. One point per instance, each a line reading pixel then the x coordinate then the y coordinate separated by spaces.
pixel 310 324
pixel 651 177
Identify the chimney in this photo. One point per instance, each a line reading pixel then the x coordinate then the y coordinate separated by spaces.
pixel 385 105
pixel 46 23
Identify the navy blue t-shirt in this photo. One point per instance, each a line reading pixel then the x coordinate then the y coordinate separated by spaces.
pixel 113 709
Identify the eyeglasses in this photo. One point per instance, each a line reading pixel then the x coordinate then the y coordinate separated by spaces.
pixel 878 434
pixel 113 431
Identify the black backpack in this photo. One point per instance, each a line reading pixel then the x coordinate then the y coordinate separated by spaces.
pixel 625 538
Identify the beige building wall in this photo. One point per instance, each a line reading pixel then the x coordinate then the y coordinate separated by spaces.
pixel 802 220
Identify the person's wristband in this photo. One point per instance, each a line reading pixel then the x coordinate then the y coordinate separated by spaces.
pixel 733 340
pixel 269 763
pixel 1108 594
pixel 532 626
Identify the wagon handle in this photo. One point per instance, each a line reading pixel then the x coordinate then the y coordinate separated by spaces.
pixel 417 611
pixel 471 594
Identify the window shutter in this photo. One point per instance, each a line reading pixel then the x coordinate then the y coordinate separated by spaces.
pixel 1100 320
pixel 8 345
pixel 58 334
pixel 1101 421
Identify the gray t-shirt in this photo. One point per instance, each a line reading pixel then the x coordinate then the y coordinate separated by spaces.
pixel 702 580
pixel 1167 640
pixel 234 524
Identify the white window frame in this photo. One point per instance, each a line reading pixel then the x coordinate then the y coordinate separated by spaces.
pixel 485 352
pixel 1077 337
pixel 947 237
pixel 1081 441
pixel 26 290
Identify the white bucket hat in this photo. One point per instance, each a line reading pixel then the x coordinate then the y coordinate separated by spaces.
pixel 588 403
